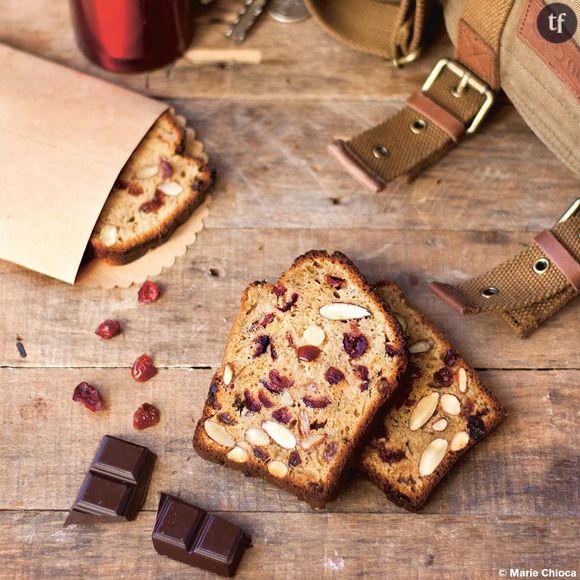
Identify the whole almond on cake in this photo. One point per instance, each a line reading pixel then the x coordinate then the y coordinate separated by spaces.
pixel 440 411
pixel 308 364
pixel 157 190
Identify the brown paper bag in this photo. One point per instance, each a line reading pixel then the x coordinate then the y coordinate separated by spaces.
pixel 64 138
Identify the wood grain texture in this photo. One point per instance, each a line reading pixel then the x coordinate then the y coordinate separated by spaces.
pixel 266 112
pixel 189 325
pixel 305 546
pixel 529 466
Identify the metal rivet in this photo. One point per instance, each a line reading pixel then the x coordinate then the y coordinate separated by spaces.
pixel 380 151
pixel 490 292
pixel 418 125
pixel 542 265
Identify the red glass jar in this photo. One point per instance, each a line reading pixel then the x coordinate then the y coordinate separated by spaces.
pixel 129 36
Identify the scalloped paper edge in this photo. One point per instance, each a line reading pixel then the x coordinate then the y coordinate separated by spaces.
pixel 99 274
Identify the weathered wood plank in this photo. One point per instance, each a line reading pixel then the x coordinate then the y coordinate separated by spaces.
pixel 315 545
pixel 528 467
pixel 190 323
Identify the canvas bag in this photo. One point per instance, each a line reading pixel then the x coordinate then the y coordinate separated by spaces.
pixel 498 47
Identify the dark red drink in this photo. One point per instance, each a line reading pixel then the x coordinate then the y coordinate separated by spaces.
pixel 128 36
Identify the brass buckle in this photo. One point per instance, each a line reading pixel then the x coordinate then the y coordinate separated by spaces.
pixel 466 79
pixel 571 211
pixel 401 61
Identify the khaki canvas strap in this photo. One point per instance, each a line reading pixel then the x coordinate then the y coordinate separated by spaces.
pixel 453 100
pixel 529 288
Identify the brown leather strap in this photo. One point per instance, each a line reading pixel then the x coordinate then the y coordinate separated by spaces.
pixel 432 122
pixel 529 288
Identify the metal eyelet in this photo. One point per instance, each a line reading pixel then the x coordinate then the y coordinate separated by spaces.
pixel 540 266
pixel 490 292
pixel 380 151
pixel 418 125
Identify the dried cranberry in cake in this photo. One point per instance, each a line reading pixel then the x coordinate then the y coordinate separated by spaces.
pixel 330 451
pixel 89 396
pixel 148 293
pixel 450 357
pixel 335 281
pixel 135 189
pixel 262 344
pixel 154 204
pixel 273 351
pixel 294 459
pixel 211 396
pixel 289 304
pixel 266 399
pixel 268 318
pixel 392 351
pixel 475 427
pixel 277 382
pixel 279 291
pixel 282 415
pixel 108 329
pixel 355 345
pixel 390 455
pixel 362 373
pixel 252 404
pixel 226 418
pixel 334 375
pixel 442 378
pixel 166 168
pixel 308 353
pixel 143 368
pixel 146 416
pixel 260 454
pixel 316 401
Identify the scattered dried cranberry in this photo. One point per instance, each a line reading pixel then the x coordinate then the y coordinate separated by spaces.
pixel 148 293
pixel 316 402
pixel 308 353
pixel 143 368
pixel 108 329
pixel 211 396
pixel 238 404
pixel 252 404
pixel 467 406
pixel 334 375
pixel 153 205
pixel 294 459
pixel 392 351
pixel 265 399
pixel 262 343
pixel 166 169
pixel 282 415
pixel 335 282
pixel 316 425
pixel 362 373
pixel 442 378
pixel 355 345
pixel 289 304
pixel 475 427
pixel 450 357
pixel 145 416
pixel 226 418
pixel 89 396
pixel 277 382
pixel 135 189
pixel 260 454
pixel 279 290
pixel 330 451
pixel 391 455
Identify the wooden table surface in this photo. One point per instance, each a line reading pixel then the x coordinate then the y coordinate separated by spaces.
pixel 266 112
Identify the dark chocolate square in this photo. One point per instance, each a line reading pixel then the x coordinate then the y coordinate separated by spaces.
pixel 177 523
pixel 103 497
pixel 120 459
pixel 218 539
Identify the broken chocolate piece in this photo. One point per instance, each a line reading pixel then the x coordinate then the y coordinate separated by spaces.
pixel 115 485
pixel 191 535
